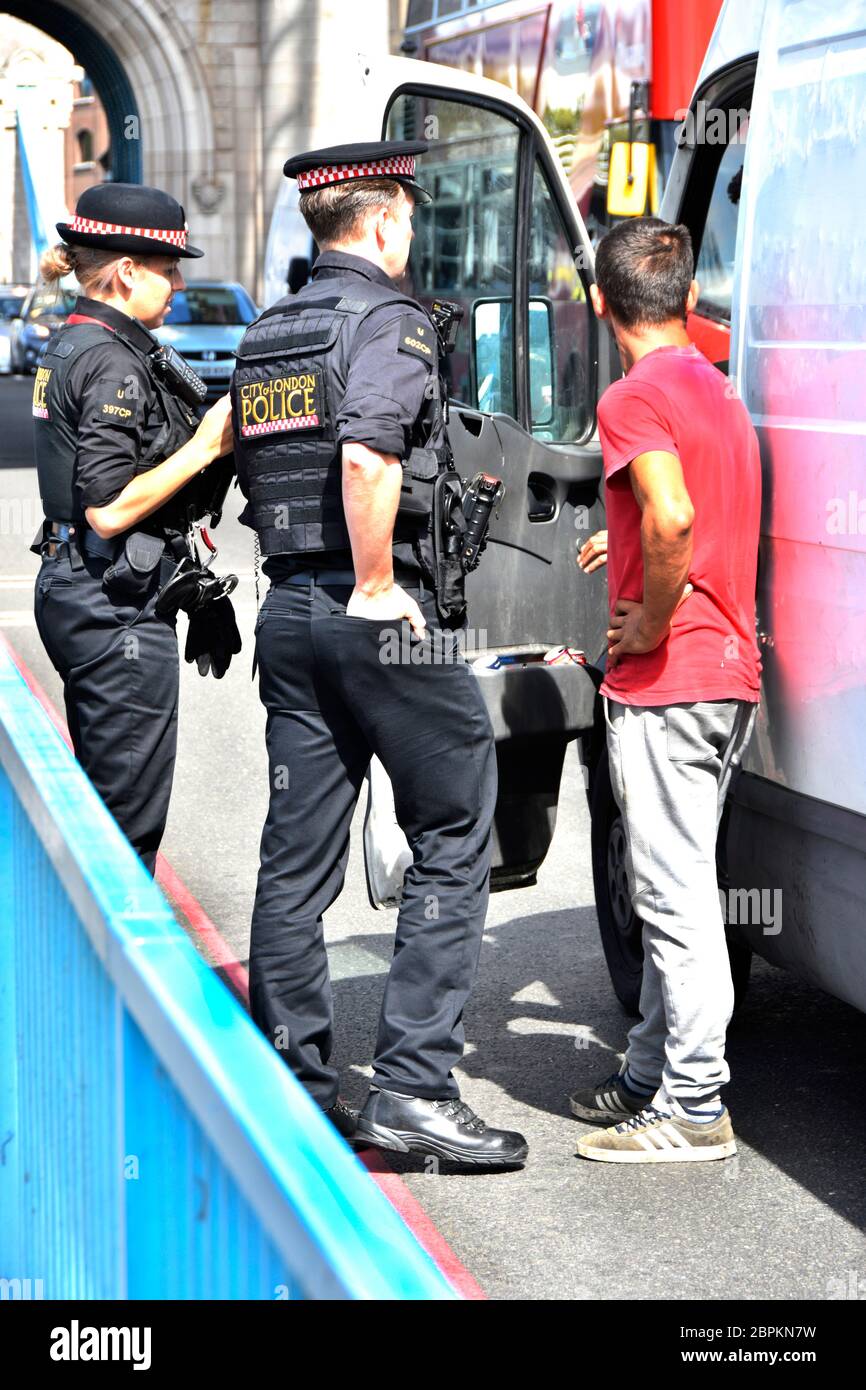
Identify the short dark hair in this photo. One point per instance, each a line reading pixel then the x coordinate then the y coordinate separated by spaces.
pixel 337 212
pixel 644 269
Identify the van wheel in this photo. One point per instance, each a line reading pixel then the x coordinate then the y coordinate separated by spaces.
pixel 741 968
pixel 619 926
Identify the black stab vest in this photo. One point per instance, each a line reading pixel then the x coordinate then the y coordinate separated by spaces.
pixel 287 388
pixel 56 430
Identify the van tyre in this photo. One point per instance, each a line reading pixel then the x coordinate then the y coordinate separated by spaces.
pixel 618 924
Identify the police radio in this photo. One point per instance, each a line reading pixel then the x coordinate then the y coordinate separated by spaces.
pixel 177 375
pixel 205 493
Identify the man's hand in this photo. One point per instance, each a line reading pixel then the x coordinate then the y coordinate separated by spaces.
pixel 392 604
pixel 629 633
pixel 593 553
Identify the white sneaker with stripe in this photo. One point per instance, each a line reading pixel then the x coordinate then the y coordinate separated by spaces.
pixel 654 1136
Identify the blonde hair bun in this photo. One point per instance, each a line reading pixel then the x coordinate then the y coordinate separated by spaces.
pixel 56 262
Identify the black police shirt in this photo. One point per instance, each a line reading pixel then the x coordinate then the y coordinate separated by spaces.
pixel 119 416
pixel 383 399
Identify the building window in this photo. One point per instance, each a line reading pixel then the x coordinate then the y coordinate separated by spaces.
pixel 85 146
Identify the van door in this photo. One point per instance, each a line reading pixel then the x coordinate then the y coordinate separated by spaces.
pixel 796 841
pixel 705 193
pixel 799 355
pixel 503 240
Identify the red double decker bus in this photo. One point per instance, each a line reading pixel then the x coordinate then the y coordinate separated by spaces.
pixel 602 74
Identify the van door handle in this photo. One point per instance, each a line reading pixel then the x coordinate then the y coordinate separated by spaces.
pixel 542 497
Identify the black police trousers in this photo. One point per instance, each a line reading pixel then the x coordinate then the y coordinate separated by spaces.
pixel 120 671
pixel 338 689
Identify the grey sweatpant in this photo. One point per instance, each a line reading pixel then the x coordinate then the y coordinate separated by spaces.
pixel 670 766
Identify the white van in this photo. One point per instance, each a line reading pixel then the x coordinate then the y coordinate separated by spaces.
pixel 774 193
pixel 781 257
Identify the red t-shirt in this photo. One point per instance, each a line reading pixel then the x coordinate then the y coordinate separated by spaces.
pixel 674 400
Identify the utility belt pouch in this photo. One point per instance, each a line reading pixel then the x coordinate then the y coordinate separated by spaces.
pixel 449 524
pixel 420 470
pixel 129 577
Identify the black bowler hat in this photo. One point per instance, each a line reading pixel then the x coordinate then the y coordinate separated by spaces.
pixel 129 217
pixel 383 159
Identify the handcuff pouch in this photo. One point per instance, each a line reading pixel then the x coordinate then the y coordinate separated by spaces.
pixel 131 573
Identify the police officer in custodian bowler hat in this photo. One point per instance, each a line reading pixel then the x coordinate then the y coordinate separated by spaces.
pixel 120 453
pixel 340 446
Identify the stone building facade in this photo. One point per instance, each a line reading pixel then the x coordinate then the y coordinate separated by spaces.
pixel 207 98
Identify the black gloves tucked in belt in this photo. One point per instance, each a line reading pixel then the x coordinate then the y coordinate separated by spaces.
pixel 213 638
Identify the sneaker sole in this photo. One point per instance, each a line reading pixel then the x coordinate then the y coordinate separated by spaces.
pixel 403 1141
pixel 696 1155
pixel 595 1116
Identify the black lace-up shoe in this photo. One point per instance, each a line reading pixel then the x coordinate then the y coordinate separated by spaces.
pixel 343 1118
pixel 444 1128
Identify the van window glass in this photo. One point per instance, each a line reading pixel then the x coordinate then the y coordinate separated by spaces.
pixel 463 249
pixel 715 266
pixel 558 336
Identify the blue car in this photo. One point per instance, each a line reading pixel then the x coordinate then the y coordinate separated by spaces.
pixel 205 323
pixel 43 311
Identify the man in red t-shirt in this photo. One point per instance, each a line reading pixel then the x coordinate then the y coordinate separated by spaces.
pixel 683 492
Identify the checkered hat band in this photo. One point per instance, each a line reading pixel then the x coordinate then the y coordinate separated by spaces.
pixel 398 166
pixel 302 422
pixel 87 224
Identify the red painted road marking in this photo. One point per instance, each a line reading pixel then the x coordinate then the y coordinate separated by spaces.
pixel 204 928
pixel 419 1224
pixel 389 1182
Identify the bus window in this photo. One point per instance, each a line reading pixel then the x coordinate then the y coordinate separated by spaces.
pixel 464 240
pixel 509 53
pixel 715 265
pixel 558 339
pixel 593 55
pixel 419 12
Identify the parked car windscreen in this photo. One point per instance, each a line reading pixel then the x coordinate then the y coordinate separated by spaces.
pixel 10 305
pixel 214 305
pixel 54 301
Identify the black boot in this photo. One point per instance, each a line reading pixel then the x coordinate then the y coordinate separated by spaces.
pixel 444 1128
pixel 343 1118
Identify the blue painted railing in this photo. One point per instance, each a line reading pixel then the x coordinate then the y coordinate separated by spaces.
pixel 152 1143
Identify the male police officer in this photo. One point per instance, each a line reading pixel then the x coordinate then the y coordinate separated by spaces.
pixel 339 439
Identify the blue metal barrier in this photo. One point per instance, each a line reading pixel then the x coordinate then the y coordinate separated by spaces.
pixel 152 1143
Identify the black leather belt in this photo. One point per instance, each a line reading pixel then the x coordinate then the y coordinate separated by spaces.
pixel 95 545
pixel 322 577
pixel 70 533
